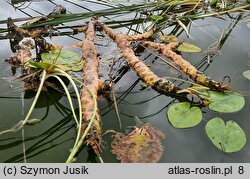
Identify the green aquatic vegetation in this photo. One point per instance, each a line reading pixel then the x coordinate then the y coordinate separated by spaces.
pixel 228 137
pixel 224 102
pixel 67 60
pixel 181 115
pixel 79 141
pixel 213 2
pixel 50 70
pixel 156 18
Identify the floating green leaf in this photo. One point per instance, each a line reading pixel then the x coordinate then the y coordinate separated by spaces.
pixel 168 38
pixel 187 47
pixel 156 17
pixel 228 138
pixel 246 74
pixel 181 115
pixel 67 60
pixel 225 102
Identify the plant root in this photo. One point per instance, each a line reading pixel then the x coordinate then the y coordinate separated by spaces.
pixel 91 80
pixel 137 37
pixel 186 67
pixel 159 84
pixel 24 52
pixel 19 33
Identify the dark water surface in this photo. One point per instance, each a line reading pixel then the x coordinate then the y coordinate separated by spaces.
pixel 51 140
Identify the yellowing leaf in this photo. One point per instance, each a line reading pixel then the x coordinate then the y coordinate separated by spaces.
pixel 142 145
pixel 168 38
pixel 187 47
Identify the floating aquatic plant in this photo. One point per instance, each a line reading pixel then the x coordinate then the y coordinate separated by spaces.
pixel 228 137
pixel 181 115
pixel 225 102
pixel 67 60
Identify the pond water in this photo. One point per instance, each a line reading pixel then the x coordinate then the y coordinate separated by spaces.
pixel 52 139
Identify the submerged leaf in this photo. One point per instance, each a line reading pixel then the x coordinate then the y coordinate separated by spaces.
pixel 73 67
pixel 246 74
pixel 187 47
pixel 181 115
pixel 225 102
pixel 67 60
pixel 228 138
pixel 142 145
pixel 168 38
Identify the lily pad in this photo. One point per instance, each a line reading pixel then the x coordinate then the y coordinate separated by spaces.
pixel 227 137
pixel 67 60
pixel 142 145
pixel 224 102
pixel 187 47
pixel 246 74
pixel 181 115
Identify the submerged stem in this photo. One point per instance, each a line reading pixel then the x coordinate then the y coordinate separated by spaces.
pixel 79 144
pixel 63 73
pixel 68 96
pixel 43 78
